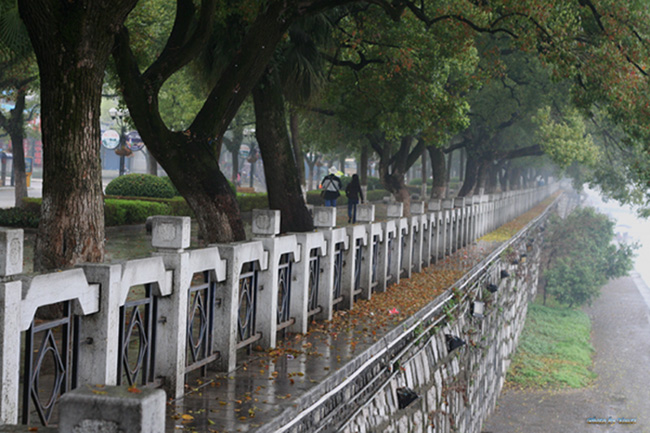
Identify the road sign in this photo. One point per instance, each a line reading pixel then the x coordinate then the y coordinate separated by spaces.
pixel 133 141
pixel 110 139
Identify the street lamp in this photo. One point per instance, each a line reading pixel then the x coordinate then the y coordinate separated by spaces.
pixel 119 117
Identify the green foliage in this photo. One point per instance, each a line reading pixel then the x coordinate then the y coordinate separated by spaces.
pixel 116 211
pixel 248 202
pixel 566 140
pixel 140 185
pixel 17 217
pixel 313 197
pixel 374 183
pixel 418 181
pixel 121 212
pixel 169 181
pixel 554 350
pixel 581 256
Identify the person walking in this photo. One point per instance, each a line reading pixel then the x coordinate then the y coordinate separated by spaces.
pixel 355 195
pixel 331 185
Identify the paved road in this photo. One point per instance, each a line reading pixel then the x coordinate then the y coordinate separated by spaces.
pixel 7 197
pixel 621 337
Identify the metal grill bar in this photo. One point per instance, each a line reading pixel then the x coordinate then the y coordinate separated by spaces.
pixel 375 260
pixel 64 359
pixel 314 282
pixel 358 252
pixel 338 272
pixel 246 319
pixel 141 320
pixel 201 313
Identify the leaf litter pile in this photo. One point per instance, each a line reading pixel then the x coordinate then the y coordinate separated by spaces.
pixel 266 380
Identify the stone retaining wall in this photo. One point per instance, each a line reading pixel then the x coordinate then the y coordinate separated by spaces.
pixel 457 388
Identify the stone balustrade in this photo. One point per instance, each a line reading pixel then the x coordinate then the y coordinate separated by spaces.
pixel 153 320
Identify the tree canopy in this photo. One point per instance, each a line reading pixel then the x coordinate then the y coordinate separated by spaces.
pixel 403 74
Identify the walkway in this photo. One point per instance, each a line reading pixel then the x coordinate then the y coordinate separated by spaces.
pixel 621 337
pixel 266 383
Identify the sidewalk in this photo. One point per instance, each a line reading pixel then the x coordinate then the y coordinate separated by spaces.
pixel 621 337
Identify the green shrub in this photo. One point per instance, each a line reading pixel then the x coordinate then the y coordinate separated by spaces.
pixel 17 217
pixel 377 195
pixel 418 181
pixel 257 200
pixel 179 207
pixel 140 185
pixel 121 212
pixel 580 256
pixel 374 183
pixel 169 181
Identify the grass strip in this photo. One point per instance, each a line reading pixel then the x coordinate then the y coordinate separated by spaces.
pixel 554 351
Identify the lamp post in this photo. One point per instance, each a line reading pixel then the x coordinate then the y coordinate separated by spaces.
pixel 119 117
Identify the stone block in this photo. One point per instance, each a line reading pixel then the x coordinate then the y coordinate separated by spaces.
pixel 171 232
pixel 366 213
pixel 448 203
pixel 112 409
pixel 395 210
pixel 417 208
pixel 266 222
pixel 11 251
pixel 324 217
pixel 435 205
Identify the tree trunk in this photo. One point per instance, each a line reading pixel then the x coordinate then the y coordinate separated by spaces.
pixel 14 127
pixel 424 175
pixel 482 176
pixel 471 176
pixel 439 172
pixel 391 174
pixel 462 164
pixel 296 145
pixel 450 160
pixel 194 169
pixel 503 176
pixel 72 43
pixel 363 165
pixel 152 164
pixel 284 190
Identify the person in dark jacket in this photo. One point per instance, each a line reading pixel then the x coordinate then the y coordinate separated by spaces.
pixel 355 195
pixel 331 185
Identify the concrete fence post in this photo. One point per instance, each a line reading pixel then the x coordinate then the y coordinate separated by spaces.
pixel 225 327
pixel 448 206
pixel 303 276
pixel 11 263
pixel 325 221
pixel 99 333
pixel 266 225
pixel 10 294
pixel 418 223
pixel 171 236
pixel 395 211
pixel 353 269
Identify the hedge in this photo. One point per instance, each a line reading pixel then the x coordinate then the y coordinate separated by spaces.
pixel 313 197
pixel 140 185
pixel 122 210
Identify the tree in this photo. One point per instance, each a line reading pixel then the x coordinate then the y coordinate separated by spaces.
pixel 14 124
pixel 72 43
pixel 579 256
pixel 17 75
pixel 190 157
pixel 400 86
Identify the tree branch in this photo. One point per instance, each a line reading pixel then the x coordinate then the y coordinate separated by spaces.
pixel 182 46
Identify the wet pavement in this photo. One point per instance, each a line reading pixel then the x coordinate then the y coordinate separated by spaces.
pixel 266 383
pixel 619 400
